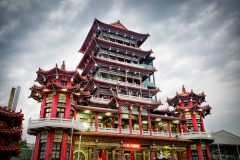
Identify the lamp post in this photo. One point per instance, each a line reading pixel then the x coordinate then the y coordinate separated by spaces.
pixel 79 145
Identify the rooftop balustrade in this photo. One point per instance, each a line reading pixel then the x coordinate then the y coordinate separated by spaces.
pixel 102 100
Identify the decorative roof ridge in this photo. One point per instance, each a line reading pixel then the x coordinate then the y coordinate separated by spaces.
pixel 118 22
pixel 6 110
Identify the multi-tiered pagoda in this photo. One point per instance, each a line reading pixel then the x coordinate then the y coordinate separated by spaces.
pixel 110 110
pixel 10 133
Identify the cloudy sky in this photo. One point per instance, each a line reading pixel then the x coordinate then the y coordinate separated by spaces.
pixel 196 44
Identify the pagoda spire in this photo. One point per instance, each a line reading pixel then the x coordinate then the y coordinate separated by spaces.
pixel 183 89
pixel 63 67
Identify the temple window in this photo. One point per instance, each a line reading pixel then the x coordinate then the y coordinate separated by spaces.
pixel 49 100
pixel 185 104
pixel 60 112
pixel 63 83
pixel 194 155
pixel 56 151
pixel 42 151
pixel 62 100
pixel 47 112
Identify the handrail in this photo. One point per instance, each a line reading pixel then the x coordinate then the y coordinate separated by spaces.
pixel 55 122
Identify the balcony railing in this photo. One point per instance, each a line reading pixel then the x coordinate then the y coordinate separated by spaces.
pixel 125 63
pixel 55 122
pixel 136 98
pixel 102 100
pixel 121 82
pixel 196 135
pixel 164 134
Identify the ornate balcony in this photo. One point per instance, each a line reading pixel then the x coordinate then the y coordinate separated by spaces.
pixel 196 135
pixel 36 124
pixel 121 82
pixel 101 100
pixel 136 98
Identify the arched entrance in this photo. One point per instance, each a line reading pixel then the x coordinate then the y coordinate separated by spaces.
pixel 82 156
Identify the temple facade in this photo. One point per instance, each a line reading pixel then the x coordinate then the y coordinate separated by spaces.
pixel 10 133
pixel 110 110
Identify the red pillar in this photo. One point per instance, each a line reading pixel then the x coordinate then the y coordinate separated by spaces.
pixel 189 153
pixel 68 107
pixel 184 126
pixel 149 123
pixel 132 155
pixel 64 146
pixel 194 121
pixel 208 152
pixel 140 120
pixel 42 112
pixel 179 155
pixel 181 103
pixel 54 105
pixel 199 151
pixel 37 147
pixel 96 122
pixel 130 120
pixel 190 103
pixel 49 145
pixel 202 124
pixel 120 119
pixel 103 155
pixel 169 129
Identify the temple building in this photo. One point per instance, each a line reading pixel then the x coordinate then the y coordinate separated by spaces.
pixel 10 133
pixel 110 110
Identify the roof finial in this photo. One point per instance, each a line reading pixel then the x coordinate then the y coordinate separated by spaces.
pixel 183 89
pixel 56 65
pixel 118 21
pixel 63 66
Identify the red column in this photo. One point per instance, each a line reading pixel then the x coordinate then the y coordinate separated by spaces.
pixel 69 82
pixel 190 103
pixel 178 128
pixel 64 146
pixel 68 107
pixel 37 147
pixel 181 103
pixel 130 119
pixel 202 125
pixel 208 152
pixel 140 120
pixel 96 122
pixel 169 129
pixel 132 155
pixel 179 155
pixel 42 112
pixel 149 123
pixel 184 126
pixel 194 121
pixel 199 151
pixel 103 155
pixel 49 145
pixel 189 153
pixel 54 105
pixel 120 119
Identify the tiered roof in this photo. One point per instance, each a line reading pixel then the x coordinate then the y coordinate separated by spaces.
pixel 11 133
pixel 114 27
pixel 186 95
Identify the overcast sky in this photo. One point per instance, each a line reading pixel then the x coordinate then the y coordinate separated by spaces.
pixel 196 44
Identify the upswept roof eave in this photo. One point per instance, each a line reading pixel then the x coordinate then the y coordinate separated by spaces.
pixel 121 30
pixel 110 84
pixel 152 104
pixel 112 63
pixel 123 47
pixel 184 96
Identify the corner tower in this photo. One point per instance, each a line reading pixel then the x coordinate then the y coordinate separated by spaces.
pixel 187 105
pixel 58 93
